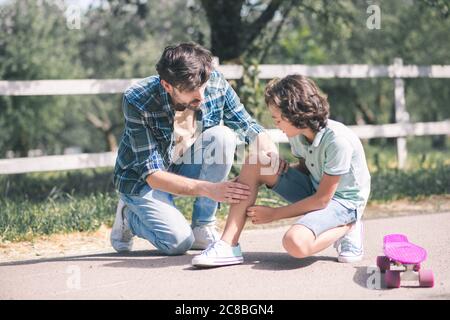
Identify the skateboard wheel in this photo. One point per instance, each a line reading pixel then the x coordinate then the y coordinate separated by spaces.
pixel 383 263
pixel 417 267
pixel 392 279
pixel 426 278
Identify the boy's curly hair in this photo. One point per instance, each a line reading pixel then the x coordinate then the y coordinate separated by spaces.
pixel 300 101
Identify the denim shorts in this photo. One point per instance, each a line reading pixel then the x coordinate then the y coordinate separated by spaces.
pixel 294 186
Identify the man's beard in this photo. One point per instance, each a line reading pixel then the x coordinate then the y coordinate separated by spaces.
pixel 184 106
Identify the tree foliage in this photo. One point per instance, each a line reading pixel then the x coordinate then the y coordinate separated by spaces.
pixel 124 38
pixel 35 44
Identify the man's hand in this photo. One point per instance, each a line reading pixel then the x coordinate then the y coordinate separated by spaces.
pixel 261 214
pixel 228 191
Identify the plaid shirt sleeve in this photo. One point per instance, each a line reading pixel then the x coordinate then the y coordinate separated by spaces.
pixel 237 118
pixel 143 144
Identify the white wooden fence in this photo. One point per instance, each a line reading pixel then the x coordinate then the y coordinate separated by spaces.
pixel 400 130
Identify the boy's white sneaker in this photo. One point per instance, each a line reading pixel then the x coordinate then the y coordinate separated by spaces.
pixel 204 236
pixel 350 247
pixel 219 254
pixel 121 235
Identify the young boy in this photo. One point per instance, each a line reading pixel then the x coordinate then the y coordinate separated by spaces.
pixel 328 189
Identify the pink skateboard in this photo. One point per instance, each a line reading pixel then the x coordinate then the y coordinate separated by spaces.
pixel 402 262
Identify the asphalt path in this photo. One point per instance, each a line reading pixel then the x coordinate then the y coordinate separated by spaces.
pixel 267 273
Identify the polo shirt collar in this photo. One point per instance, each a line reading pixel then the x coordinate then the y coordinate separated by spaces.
pixel 165 98
pixel 317 139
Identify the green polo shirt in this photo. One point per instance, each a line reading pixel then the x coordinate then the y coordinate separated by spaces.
pixel 336 150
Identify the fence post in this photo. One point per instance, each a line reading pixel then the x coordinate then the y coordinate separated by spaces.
pixel 401 115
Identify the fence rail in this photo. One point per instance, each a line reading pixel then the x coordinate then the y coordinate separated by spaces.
pixel 107 159
pixel 108 86
pixel 400 130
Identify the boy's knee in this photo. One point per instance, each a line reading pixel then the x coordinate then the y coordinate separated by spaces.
pixel 296 245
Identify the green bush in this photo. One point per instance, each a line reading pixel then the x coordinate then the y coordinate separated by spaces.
pixel 395 184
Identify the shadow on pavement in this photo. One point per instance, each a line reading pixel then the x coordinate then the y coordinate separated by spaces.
pixel 133 259
pixel 281 260
pixel 156 259
pixel 274 261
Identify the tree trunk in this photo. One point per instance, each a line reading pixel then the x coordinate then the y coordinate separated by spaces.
pixel 438 142
pixel 111 139
pixel 105 126
pixel 224 19
pixel 230 35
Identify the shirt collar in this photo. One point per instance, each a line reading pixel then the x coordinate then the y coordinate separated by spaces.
pixel 317 139
pixel 165 99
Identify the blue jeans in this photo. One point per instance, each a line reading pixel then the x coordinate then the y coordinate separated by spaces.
pixel 152 214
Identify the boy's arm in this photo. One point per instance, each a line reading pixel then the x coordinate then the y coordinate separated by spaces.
pixel 317 201
pixel 338 161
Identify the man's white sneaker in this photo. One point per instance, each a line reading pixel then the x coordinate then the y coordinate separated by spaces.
pixel 121 235
pixel 219 254
pixel 350 247
pixel 204 236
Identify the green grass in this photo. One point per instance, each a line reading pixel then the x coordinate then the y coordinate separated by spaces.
pixel 60 202
pixel 24 220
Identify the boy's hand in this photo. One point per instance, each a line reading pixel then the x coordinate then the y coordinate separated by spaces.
pixel 261 214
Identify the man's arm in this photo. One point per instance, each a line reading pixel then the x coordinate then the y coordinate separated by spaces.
pixel 176 184
pixel 229 191
pixel 236 117
pixel 143 145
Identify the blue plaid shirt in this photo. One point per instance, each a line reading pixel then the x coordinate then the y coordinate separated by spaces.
pixel 147 141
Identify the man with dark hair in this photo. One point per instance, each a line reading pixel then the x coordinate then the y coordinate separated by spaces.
pixel 177 141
